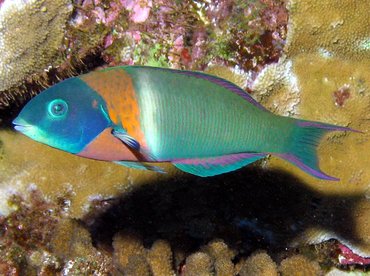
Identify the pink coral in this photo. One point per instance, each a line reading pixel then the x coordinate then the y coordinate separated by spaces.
pixel 348 257
pixel 139 9
pixel 341 95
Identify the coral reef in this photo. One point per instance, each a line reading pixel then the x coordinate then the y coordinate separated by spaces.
pixel 259 264
pixel 198 264
pixel 25 235
pixel 332 31
pixel 28 51
pixel 222 257
pixel 191 34
pixel 160 258
pixel 72 247
pixel 323 77
pixel 86 182
pixel 81 217
pixel 31 47
pixel 325 80
pixel 126 246
pixel 299 266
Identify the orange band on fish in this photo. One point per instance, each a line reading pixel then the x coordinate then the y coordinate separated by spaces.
pixel 116 87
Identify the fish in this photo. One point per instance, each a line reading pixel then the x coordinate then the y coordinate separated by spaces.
pixel 138 116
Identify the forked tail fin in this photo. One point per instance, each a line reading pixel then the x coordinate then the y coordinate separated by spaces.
pixel 302 151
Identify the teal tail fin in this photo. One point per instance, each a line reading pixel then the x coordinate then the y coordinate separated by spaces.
pixel 303 147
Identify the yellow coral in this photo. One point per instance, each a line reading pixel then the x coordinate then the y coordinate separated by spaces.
pixel 71 240
pixel 160 259
pixel 259 264
pixel 137 266
pixel 222 257
pixel 198 264
pixel 31 33
pixel 330 28
pixel 299 265
pixel 126 245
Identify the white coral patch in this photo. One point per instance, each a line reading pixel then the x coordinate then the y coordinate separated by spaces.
pixel 364 44
pixel 271 80
pixel 325 53
pixel 10 187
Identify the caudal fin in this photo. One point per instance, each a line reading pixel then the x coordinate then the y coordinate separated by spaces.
pixel 302 151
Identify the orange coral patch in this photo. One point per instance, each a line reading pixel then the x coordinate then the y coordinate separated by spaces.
pixel 116 88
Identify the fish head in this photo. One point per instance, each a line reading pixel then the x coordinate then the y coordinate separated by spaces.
pixel 67 116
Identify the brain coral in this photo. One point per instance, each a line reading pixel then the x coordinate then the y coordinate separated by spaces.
pixel 31 31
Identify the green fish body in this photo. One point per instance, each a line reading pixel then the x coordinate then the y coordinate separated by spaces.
pixel 202 124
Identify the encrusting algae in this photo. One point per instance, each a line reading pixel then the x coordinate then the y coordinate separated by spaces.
pixel 178 222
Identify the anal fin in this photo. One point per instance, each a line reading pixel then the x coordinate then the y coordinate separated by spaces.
pixel 217 165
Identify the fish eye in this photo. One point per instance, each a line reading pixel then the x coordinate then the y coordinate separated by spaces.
pixel 57 108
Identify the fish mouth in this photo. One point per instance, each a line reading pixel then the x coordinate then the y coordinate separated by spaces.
pixel 21 125
pixel 22 128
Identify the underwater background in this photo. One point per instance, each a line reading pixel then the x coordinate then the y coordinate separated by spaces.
pixel 64 215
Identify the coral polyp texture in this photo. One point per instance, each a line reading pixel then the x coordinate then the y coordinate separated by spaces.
pixel 31 33
pixel 309 59
pixel 337 30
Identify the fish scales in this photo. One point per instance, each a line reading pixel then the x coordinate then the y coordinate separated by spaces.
pixel 186 117
pixel 202 124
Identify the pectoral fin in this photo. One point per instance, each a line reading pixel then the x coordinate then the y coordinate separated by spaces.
pixel 127 139
pixel 217 165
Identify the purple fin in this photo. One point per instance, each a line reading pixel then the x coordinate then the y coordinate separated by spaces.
pixel 329 127
pixel 217 165
pixel 315 172
pixel 224 83
pixel 302 148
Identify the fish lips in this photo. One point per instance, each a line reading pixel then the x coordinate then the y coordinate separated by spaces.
pixel 21 125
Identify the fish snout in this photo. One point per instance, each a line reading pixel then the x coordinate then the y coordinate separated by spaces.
pixel 21 125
